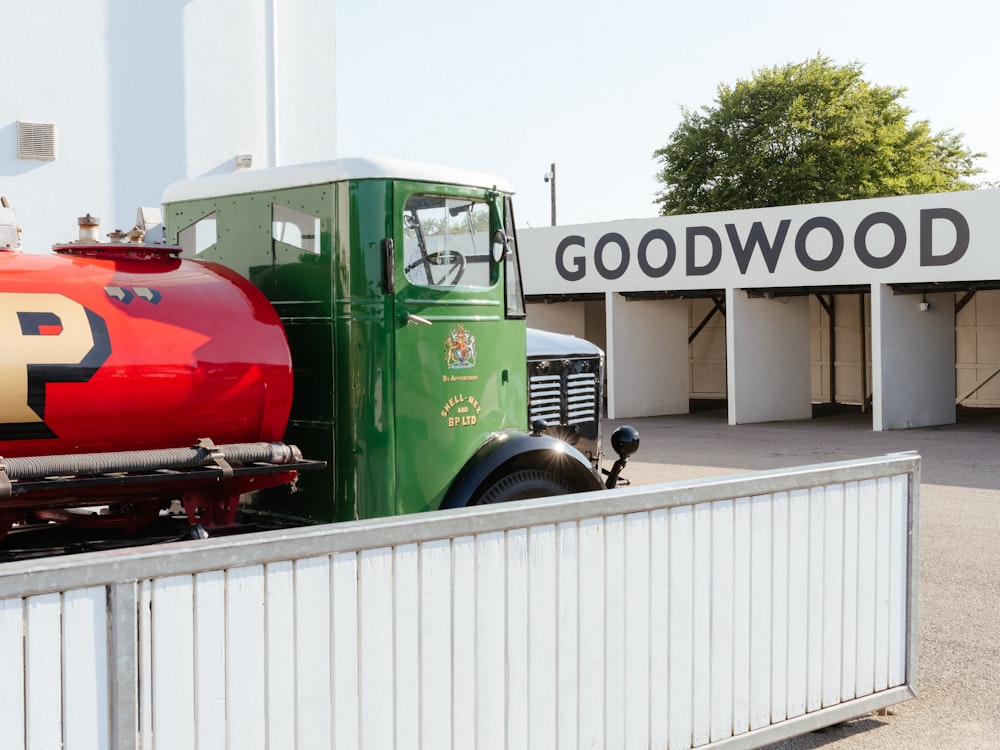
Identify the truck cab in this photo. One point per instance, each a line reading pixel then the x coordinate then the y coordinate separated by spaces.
pixel 399 289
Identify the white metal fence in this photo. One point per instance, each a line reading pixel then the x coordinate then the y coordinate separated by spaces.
pixel 731 612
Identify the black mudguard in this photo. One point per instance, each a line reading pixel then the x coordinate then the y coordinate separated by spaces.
pixel 511 450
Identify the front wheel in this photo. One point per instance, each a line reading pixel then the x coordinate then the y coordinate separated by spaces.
pixel 521 485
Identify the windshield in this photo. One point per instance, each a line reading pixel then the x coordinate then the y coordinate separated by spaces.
pixel 447 242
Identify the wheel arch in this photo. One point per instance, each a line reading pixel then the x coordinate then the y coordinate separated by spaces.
pixel 511 450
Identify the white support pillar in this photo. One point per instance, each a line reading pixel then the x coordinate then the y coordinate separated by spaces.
pixel 647 354
pixel 767 353
pixel 913 359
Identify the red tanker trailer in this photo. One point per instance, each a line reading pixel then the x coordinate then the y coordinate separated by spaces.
pixel 127 346
pixel 153 368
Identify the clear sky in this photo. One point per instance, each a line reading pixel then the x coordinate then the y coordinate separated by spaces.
pixel 511 87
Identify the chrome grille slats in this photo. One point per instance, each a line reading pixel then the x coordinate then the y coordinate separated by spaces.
pixel 559 393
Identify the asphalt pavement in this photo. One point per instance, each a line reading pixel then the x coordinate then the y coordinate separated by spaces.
pixel 958 672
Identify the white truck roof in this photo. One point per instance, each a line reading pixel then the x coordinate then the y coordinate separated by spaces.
pixel 318 173
pixel 550 344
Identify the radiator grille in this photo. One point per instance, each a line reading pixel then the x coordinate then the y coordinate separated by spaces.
pixel 563 398
pixel 565 393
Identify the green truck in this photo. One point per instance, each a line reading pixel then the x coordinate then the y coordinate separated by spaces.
pixel 399 289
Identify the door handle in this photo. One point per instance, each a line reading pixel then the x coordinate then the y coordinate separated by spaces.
pixel 411 318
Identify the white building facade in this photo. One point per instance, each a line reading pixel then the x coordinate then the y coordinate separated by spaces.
pixel 105 103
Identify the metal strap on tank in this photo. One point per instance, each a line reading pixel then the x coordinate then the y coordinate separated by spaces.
pixel 216 455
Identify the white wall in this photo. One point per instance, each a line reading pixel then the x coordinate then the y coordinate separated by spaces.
pixel 767 346
pixel 144 94
pixel 913 366
pixel 647 357
pixel 559 317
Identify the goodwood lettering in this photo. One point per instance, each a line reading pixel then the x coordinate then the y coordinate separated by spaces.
pixel 817 244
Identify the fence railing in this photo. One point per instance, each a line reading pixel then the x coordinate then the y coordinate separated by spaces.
pixel 731 612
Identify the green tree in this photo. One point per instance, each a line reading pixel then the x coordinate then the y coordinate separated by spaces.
pixel 805 133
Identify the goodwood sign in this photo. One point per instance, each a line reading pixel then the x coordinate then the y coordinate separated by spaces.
pixel 938 237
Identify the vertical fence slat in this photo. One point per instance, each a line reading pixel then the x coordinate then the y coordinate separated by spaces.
pixel 279 584
pixel 463 628
pixel 491 639
pixel 373 638
pixel 614 631
pixel 779 607
pixel 568 634
pixel 85 664
pixel 517 638
pixel 723 546
pixel 701 611
pixel 406 608
pixel 816 597
pixel 681 624
pixel 883 572
pixel 867 576
pixel 145 669
pixel 542 607
pixel 210 658
pixel 659 623
pixel 246 646
pixel 761 580
pixel 124 658
pixel 12 672
pixel 849 650
pixel 355 715
pixel 636 607
pixel 435 643
pixel 43 671
pixel 313 687
pixel 833 592
pixel 172 654
pixel 591 633
pixel 798 602
pixel 742 544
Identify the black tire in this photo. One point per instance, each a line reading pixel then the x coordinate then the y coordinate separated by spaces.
pixel 522 484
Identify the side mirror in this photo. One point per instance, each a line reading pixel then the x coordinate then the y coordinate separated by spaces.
pixel 498 246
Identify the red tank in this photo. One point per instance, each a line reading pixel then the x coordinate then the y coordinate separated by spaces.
pixel 121 347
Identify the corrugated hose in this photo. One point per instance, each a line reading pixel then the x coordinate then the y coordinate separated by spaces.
pixel 129 462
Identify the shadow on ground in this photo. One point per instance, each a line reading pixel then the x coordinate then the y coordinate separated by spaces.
pixel 828 735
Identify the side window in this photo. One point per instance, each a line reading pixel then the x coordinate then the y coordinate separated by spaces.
pixel 198 237
pixel 513 292
pixel 295 228
pixel 446 242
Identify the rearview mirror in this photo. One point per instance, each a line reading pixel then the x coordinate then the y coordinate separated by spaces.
pixel 498 247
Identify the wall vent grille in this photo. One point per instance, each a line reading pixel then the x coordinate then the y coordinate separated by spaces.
pixel 36 140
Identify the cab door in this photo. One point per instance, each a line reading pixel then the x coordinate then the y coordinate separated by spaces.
pixel 459 363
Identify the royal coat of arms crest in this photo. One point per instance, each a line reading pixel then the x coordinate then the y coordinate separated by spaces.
pixel 460 349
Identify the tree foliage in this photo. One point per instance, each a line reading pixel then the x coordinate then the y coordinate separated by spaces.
pixel 805 132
